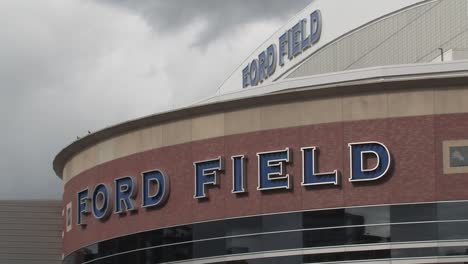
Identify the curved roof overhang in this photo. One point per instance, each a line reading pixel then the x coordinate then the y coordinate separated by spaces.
pixel 371 79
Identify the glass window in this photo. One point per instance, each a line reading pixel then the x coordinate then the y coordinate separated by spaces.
pixel 327 231
pixel 453 251
pixel 324 237
pixel 175 235
pixel 413 213
pixel 368 234
pixel 127 243
pixel 166 236
pixel 367 215
pixel 108 247
pixel 458 156
pixel 152 238
pixel 209 230
pixel 413 232
pixel 281 222
pixel 154 255
pixel 209 248
pixel 323 218
pixel 244 244
pixel 454 230
pixel 173 253
pixel 452 211
pixel 241 226
pixel 281 241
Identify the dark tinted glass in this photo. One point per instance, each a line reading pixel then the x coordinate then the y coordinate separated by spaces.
pixel 413 232
pixel 413 213
pixel 323 218
pixel 367 215
pixel 173 253
pixel 285 231
pixel 209 230
pixel 172 235
pixel 368 234
pixel 453 251
pixel 241 226
pixel 452 211
pixel 324 237
pixel 454 230
pixel 209 248
pixel 237 245
pixel 127 243
pixel 151 256
pixel 280 222
pixel 278 241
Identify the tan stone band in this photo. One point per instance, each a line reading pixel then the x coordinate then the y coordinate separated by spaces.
pixel 267 112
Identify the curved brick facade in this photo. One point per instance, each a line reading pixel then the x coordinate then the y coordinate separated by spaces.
pixel 416 174
pixel 333 90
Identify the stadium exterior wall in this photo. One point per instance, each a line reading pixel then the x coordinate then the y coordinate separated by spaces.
pixel 414 119
pixel 355 150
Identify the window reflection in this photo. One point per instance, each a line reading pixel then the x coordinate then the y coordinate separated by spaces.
pixel 350 226
pixel 414 232
pixel 209 230
pixel 240 245
pixel 241 226
pixel 453 251
pixel 280 222
pixel 324 237
pixel 454 230
pixel 279 241
pixel 368 234
pixel 369 215
pixel 413 213
pixel 173 253
pixel 209 248
pixel 452 211
pixel 323 218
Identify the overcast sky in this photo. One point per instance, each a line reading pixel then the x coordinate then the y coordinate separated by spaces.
pixel 69 66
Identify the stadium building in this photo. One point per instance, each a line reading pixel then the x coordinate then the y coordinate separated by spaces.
pixel 342 139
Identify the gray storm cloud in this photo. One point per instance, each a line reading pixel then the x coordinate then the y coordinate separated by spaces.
pixel 220 16
pixel 67 67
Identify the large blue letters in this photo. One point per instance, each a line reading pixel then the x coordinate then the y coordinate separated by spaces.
pixel 155 188
pixel 272 170
pixel 206 173
pixel 357 152
pixel 310 174
pixel 125 192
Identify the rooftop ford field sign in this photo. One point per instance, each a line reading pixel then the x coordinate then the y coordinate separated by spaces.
pixel 120 196
pixel 291 43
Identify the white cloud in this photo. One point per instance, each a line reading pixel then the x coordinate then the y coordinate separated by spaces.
pixel 67 67
pixel 71 66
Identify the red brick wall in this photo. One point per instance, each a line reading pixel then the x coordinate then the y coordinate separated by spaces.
pixel 416 174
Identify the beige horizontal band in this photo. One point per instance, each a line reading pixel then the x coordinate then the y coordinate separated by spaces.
pixel 363 106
